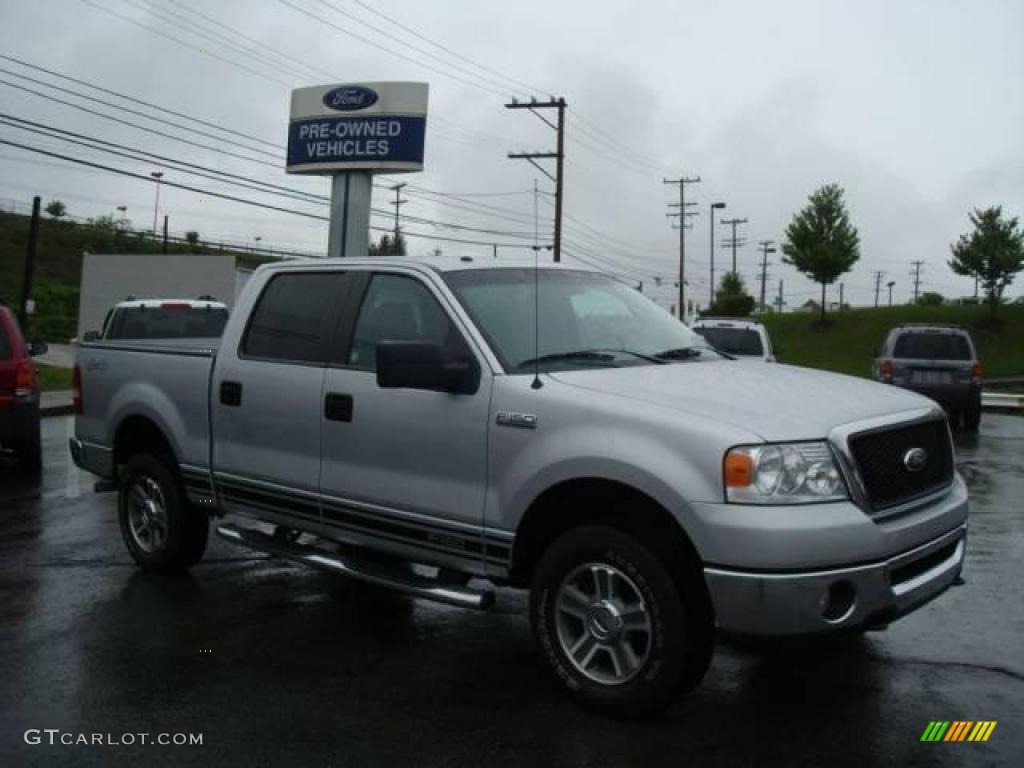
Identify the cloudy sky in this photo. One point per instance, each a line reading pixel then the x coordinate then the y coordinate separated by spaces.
pixel 915 108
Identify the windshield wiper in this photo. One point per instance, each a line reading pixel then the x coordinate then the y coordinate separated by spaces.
pixel 640 355
pixel 578 355
pixel 688 353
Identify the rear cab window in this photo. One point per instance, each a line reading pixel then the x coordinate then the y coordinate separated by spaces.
pixel 733 341
pixel 167 322
pixel 932 345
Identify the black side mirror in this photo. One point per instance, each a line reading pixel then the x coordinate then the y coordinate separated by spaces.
pixel 91 336
pixel 424 365
pixel 37 348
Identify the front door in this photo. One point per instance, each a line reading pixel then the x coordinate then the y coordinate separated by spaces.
pixel 403 469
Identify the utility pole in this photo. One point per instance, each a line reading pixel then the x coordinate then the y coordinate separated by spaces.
pixel 30 264
pixel 778 301
pixel 879 274
pixel 840 296
pixel 682 205
pixel 733 241
pixel 558 155
pixel 165 233
pixel 765 250
pixel 156 203
pixel 916 272
pixel 711 246
pixel 398 202
pixel 889 285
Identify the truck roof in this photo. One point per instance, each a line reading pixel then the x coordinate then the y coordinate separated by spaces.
pixel 435 263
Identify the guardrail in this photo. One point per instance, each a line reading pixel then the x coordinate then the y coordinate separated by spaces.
pixel 1002 401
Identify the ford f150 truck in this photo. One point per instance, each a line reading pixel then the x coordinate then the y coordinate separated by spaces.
pixel 440 426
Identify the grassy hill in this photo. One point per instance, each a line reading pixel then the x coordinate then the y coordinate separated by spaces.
pixel 850 343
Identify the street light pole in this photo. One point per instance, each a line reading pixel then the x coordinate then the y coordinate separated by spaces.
pixel 889 285
pixel 156 203
pixel 711 212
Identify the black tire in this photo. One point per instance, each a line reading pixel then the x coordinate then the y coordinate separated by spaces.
pixel 30 454
pixel 678 642
pixel 972 418
pixel 178 531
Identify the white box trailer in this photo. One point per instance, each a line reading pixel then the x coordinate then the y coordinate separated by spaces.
pixel 108 278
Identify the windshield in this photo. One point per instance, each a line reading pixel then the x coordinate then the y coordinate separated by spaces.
pixel 167 323
pixel 735 341
pixel 587 320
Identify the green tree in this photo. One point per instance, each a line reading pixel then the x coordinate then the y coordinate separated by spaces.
pixel 731 298
pixel 992 254
pixel 930 299
pixel 388 246
pixel 192 237
pixel 56 209
pixel 820 240
pixel 104 223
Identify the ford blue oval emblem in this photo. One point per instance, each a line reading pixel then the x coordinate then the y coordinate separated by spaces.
pixel 915 459
pixel 350 97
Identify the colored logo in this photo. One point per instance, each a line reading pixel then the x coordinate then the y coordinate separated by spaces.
pixel 350 97
pixel 915 459
pixel 958 730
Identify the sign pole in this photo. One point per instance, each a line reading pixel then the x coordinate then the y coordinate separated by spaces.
pixel 349 233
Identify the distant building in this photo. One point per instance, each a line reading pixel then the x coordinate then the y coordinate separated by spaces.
pixel 108 278
pixel 809 306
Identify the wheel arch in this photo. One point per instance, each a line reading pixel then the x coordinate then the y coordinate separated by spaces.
pixel 579 501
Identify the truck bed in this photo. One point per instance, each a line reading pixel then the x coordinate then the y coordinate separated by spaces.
pixel 163 380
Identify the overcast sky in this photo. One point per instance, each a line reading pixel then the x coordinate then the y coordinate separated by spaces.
pixel 915 108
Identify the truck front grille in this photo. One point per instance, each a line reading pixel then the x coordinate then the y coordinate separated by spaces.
pixel 881 457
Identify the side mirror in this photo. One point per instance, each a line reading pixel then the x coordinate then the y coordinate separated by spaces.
pixel 424 365
pixel 91 336
pixel 37 348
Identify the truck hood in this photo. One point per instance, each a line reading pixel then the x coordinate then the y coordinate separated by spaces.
pixel 776 402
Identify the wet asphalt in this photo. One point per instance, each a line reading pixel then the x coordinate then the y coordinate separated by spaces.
pixel 277 665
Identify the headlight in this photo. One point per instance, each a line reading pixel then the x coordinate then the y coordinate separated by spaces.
pixel 793 473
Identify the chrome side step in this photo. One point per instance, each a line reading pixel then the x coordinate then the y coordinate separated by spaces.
pixel 409 583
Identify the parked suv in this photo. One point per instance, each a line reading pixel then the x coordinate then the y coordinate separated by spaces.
pixel 939 361
pixel 19 393
pixel 740 338
pixel 136 319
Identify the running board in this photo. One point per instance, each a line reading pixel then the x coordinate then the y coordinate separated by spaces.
pixel 345 565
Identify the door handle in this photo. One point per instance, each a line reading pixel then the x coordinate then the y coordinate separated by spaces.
pixel 231 393
pixel 338 407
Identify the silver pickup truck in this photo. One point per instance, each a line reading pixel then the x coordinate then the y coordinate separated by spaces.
pixel 436 426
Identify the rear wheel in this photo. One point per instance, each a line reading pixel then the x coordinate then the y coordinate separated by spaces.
pixel 621 631
pixel 972 418
pixel 160 528
pixel 30 453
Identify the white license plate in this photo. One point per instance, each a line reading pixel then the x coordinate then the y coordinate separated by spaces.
pixel 932 377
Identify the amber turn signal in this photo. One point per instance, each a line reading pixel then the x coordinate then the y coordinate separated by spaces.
pixel 739 469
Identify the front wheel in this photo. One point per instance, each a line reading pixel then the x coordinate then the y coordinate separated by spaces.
pixel 161 529
pixel 622 632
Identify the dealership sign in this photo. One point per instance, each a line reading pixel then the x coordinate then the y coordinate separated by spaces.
pixel 357 127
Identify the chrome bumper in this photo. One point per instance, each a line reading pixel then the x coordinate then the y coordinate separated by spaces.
pixel 835 599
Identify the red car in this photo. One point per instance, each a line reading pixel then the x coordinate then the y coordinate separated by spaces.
pixel 19 393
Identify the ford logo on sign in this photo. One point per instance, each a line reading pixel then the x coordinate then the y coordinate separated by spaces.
pixel 350 97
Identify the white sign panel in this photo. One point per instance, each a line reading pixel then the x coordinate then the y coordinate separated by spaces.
pixel 357 127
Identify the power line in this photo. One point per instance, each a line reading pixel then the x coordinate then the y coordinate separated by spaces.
pixel 134 100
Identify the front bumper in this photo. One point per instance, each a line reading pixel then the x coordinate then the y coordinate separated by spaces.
pixel 826 600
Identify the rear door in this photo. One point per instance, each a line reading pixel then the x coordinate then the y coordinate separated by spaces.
pixel 266 398
pixel 404 469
